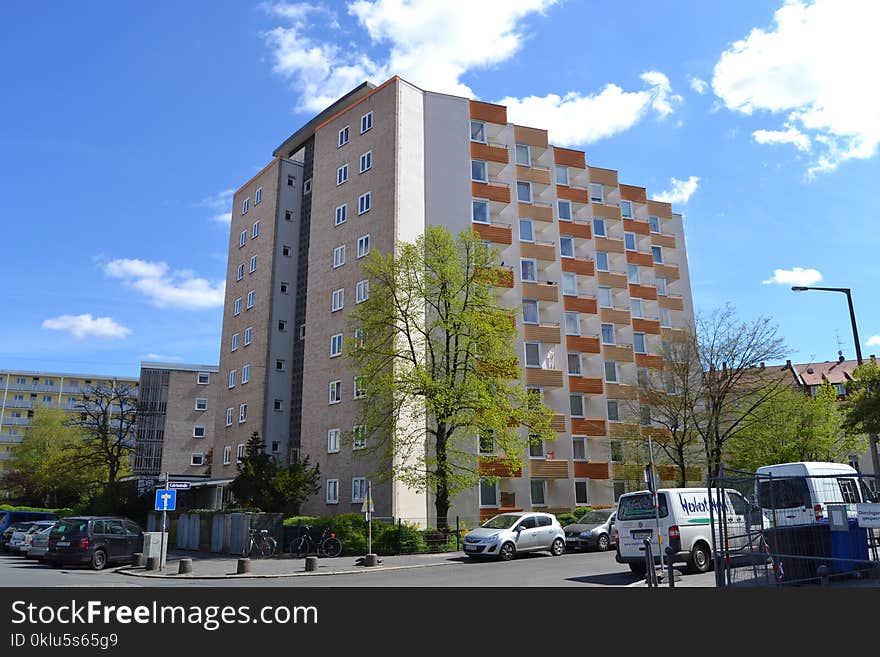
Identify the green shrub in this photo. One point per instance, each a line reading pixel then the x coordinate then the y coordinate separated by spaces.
pixel 61 513
pixel 566 518
pixel 351 529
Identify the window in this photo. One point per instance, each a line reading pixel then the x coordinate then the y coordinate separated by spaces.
pixel 276 447
pixel 242 413
pixel 285 251
pixel 197 458
pixel 613 408
pixel 250 299
pixel 255 229
pixel 660 282
pixel 203 378
pixel 364 202
pixel 248 335
pixel 253 266
pixel 530 311
pixel 657 252
pixel 277 405
pixel 342 140
pixel 566 247
pixel 563 209
pixel 358 489
pixel 359 338
pixel 526 230
pixel 232 378
pixel 239 274
pixel 290 181
pixel 572 324
pixel 342 174
pixel 366 122
pixel 279 365
pixel 366 161
pixel 608 334
pixel 335 392
pixel 341 214
pixel 332 441
pixel 242 238
pixel 537 487
pixel 579 448
pixel 645 415
pixel 487 441
pixel 307 186
pixel 332 496
pixel 654 224
pixel 632 274
pixel 619 488
pixel 236 306
pixel 335 345
pixel 616 451
pixel 201 404
pixel 536 447
pixel 629 241
pixel 283 288
pixel 610 371
pixel 360 389
pixel 199 431
pixel 338 300
pixel 601 261
pixel 359 436
pixel 599 227
pixel 596 193
pixel 227 455
pixel 245 373
pixel 288 215
pixel 604 297
pixel 479 172
pixel 480 211
pixel 478 131
pixel 639 343
pixel 246 205
pixel 361 291
pixel 363 246
pixel 229 412
pixel 533 354
pixel 581 496
pixel 576 405
pixel 239 451
pixel 339 256
pixel 626 209
pixel 636 308
pixel 523 155
pixel 528 270
pixel 523 191
pixel 569 284
pixel 488 493
pixel 561 175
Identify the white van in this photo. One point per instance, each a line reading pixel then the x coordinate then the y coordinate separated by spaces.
pixel 801 492
pixel 685 525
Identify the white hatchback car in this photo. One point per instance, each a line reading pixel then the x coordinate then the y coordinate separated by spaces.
pixel 509 533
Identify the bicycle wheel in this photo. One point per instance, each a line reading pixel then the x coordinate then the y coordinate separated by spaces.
pixel 331 547
pixel 299 548
pixel 271 547
pixel 249 548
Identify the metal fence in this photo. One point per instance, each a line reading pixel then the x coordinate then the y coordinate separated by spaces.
pixel 793 530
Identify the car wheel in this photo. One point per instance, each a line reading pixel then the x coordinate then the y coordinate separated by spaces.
pixel 638 569
pixel 507 552
pixel 99 560
pixel 700 561
pixel 602 543
pixel 558 547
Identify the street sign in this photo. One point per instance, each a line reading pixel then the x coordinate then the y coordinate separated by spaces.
pixel 166 500
pixel 179 485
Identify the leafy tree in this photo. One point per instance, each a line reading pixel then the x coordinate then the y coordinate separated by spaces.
pixel 792 426
pixel 106 418
pixel 436 354
pixel 862 409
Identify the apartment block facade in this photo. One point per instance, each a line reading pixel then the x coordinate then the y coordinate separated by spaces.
pixel 596 271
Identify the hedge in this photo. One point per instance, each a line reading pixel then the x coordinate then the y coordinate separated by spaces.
pixel 351 529
pixel 61 513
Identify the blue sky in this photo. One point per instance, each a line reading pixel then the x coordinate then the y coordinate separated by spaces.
pixel 125 126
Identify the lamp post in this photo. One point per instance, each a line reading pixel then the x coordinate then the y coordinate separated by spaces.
pixel 872 438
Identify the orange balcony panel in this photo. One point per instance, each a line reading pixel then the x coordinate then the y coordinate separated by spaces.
pixel 613 316
pixel 530 136
pixel 646 326
pixel 623 430
pixel 549 468
pixel 541 377
pixel 635 226
pixel 490 512
pixel 649 360
pixel 488 112
pixel 570 158
pixel 587 427
pixel 496 467
pixel 538 251
pixel 663 240
pixel 575 229
pixel 500 193
pixel 610 245
pixel 535 211
pixel 541 291
pixel 579 304
pixel 590 469
pixel 619 391
pixel 497 234
pixel 586 345
pixel 670 272
pixel 576 194
pixel 673 334
pixel 618 353
pixel 643 292
pixel 639 258
pixel 488 152
pixel 605 211
pixel 557 423
pixel 604 176
pixel 658 433
pixel 611 278
pixel 660 209
pixel 579 266
pixel 533 174
pixel 633 193
pixel 503 277
pixel 673 303
pixel 542 333
pixel 590 385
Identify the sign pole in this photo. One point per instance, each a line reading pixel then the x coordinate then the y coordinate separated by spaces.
pixel 370 517
pixel 653 488
pixel 164 529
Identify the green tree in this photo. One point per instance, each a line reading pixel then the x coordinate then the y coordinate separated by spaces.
pixel 106 417
pixel 862 408
pixel 435 352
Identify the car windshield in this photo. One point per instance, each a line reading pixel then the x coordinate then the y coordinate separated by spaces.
pixel 786 493
pixel 504 521
pixel 641 507
pixel 70 527
pixel 594 518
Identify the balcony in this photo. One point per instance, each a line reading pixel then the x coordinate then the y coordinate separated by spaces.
pixel 633 193
pixel 587 427
pixel 620 353
pixel 580 229
pixel 582 266
pixel 611 245
pixel 579 304
pixel 673 334
pixel 605 211
pixel 539 249
pixel 499 192
pixel 657 433
pixel 590 469
pixel 590 385
pixel 672 302
pixel 624 430
pixel 660 239
pixel 614 316
pixel 549 468
pixel 620 391
pixel 531 136
pixel 573 194
pixel 490 152
pixel 16 421
pixel 19 404
pixel 498 276
pixel 605 176
pixel 652 361
pixel 540 291
pixel 612 279
pixel 548 333
pixel 542 377
pixel 481 111
pixel 557 423
pixel 660 209
pixel 536 211
pixel 534 174
pixel 583 344
pixel 495 466
pixel 640 258
pixel 498 233
pixel 569 157
pixel 643 292
pixel 651 326
pixel 636 226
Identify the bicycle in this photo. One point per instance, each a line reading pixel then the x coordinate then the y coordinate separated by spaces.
pixel 304 545
pixel 261 545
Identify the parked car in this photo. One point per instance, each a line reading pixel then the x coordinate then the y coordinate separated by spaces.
pixel 6 536
pixel 593 531
pixel 24 543
pixel 505 535
pixel 8 518
pixel 39 544
pixel 95 541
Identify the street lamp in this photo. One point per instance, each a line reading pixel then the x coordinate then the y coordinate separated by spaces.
pixel 872 438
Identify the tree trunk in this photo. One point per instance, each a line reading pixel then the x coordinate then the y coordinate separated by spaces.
pixel 441 501
pixel 682 474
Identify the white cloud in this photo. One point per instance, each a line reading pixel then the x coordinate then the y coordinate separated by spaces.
pixel 680 191
pixel 83 326
pixel 790 136
pixel 873 341
pixel 812 68
pixel 166 288
pixel 220 203
pixel 794 276
pixel 698 85
pixel 162 359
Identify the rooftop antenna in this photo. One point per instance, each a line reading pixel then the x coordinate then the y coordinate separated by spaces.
pixel 839 342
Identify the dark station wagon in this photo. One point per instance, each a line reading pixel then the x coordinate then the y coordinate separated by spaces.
pixel 95 541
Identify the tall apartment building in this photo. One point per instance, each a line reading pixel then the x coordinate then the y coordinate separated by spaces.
pixel 22 392
pixel 598 272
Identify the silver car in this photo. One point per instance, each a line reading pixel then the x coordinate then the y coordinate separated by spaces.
pixel 593 531
pixel 507 534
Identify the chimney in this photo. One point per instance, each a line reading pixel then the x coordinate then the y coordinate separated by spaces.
pixel 724 366
pixel 840 358
pixel 788 363
pixel 762 364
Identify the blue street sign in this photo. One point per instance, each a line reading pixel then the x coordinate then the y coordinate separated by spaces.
pixel 166 500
